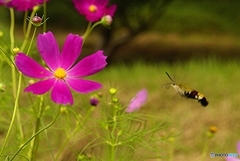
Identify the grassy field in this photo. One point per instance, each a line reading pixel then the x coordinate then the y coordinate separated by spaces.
pixel 185 118
pixel 217 80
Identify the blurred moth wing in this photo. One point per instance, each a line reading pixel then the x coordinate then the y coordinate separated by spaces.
pixel 188 93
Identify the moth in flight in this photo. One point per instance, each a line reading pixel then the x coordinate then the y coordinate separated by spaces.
pixel 188 93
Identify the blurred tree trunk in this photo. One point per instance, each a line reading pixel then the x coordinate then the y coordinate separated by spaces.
pixel 134 18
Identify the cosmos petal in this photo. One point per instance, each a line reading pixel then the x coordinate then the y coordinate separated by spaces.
pixel 89 65
pixel 61 94
pixel 40 87
pixel 82 7
pixel 102 3
pixel 83 86
pixel 23 5
pixel 30 67
pixel 138 101
pixel 71 51
pixel 111 10
pixel 232 159
pixel 238 147
pixel 93 17
pixel 49 50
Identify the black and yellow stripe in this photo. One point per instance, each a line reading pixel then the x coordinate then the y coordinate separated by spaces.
pixel 188 93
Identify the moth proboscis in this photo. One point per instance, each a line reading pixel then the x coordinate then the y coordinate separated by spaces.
pixel 188 93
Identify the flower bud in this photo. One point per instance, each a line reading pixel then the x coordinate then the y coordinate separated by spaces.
pixel 16 50
pixel 171 139
pixel 112 91
pixel 93 101
pixel 211 132
pixel 107 20
pixel 36 20
pixel 115 100
pixel 64 110
pixel 213 129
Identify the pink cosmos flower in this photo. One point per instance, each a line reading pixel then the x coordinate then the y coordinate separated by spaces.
pixel 23 5
pixel 4 2
pixel 62 74
pixel 137 101
pixel 229 158
pixel 94 10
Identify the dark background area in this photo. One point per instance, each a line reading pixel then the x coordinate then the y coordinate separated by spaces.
pixel 165 30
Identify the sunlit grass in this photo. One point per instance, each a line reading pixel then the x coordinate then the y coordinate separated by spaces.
pixel 217 80
pixel 186 118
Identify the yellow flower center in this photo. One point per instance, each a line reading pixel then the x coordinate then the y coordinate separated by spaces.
pixel 92 8
pixel 60 73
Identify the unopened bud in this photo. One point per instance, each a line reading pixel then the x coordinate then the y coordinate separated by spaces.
pixel 64 110
pixel 114 100
pixel 16 50
pixel 213 129
pixel 106 20
pixel 112 91
pixel 171 139
pixel 93 101
pixel 211 132
pixel 36 20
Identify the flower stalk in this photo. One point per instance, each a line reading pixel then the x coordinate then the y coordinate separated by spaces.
pixel 34 143
pixel 36 134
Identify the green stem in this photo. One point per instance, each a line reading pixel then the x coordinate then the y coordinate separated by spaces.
pixel 65 143
pixel 34 144
pixel 12 27
pixel 28 30
pixel 171 152
pixel 25 23
pixel 112 153
pixel 12 41
pixel 87 32
pixel 37 133
pixel 16 92
pixel 205 150
pixel 114 138
pixel 14 113
pixel 45 15
pixel 89 29
pixel 87 115
pixel 74 132
pixel 31 42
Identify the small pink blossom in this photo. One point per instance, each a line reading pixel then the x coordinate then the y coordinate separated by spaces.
pixel 137 101
pixel 62 73
pixel 94 10
pixel 94 101
pixel 22 5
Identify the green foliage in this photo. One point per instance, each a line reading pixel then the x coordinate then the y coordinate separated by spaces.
pixel 210 17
